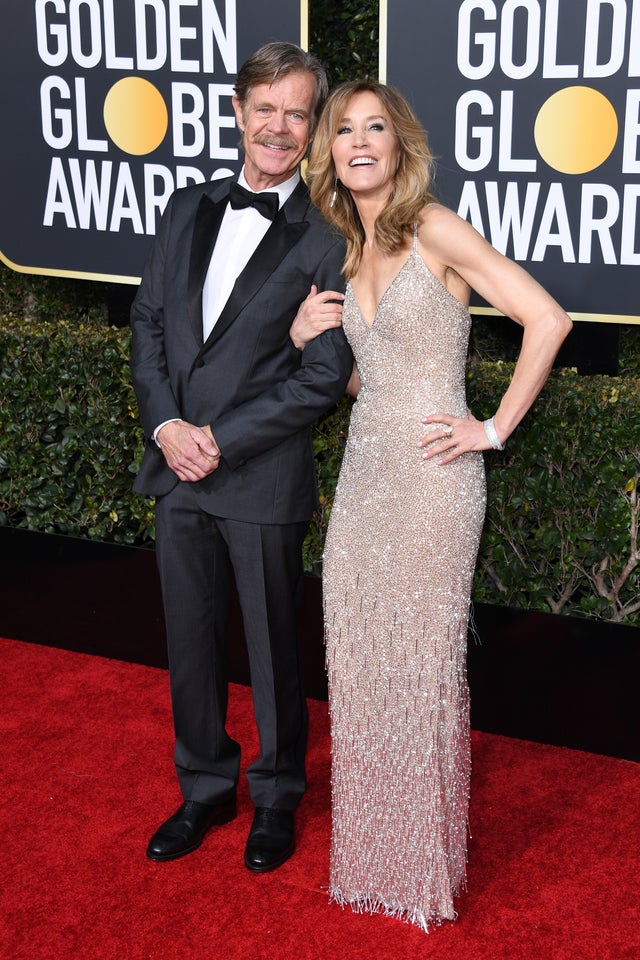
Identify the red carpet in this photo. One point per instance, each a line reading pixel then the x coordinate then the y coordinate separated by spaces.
pixel 554 862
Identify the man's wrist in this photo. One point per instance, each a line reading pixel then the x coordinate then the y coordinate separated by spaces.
pixel 154 435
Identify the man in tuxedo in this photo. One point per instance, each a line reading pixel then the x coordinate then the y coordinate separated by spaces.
pixel 226 400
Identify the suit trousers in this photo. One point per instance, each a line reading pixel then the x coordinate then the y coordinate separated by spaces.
pixel 195 552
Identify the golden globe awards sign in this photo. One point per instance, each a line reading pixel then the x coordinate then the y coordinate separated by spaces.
pixel 533 114
pixel 110 105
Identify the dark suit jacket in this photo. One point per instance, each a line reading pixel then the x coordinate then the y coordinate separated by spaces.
pixel 256 390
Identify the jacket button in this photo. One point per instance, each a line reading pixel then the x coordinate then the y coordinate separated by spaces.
pixel 199 363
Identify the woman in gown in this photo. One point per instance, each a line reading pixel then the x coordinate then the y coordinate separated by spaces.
pixel 409 507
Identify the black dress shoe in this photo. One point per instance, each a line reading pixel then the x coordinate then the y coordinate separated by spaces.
pixel 186 829
pixel 271 840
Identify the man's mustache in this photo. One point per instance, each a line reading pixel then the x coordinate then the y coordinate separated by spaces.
pixel 274 141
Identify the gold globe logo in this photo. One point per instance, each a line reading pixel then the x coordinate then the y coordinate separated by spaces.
pixel 576 129
pixel 135 116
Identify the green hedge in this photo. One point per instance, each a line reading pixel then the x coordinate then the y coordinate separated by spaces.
pixel 562 524
pixel 69 432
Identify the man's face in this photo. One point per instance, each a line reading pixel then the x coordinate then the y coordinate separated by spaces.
pixel 275 122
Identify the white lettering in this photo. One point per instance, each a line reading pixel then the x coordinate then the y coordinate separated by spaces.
pixel 513 223
pixel 521 38
pixel 155 201
pixel 58 196
pixel 604 227
pixel 90 197
pixel 61 115
pixel 634 41
pixel 87 31
pixel 144 59
pixel 84 143
pixel 590 224
pixel 180 33
pixel 463 134
pixel 184 118
pixel 630 256
pixel 112 61
pixel 219 173
pixel 551 67
pixel 93 56
pixel 485 42
pixel 469 206
pixel 218 122
pixel 509 68
pixel 98 194
pixel 56 54
pixel 227 42
pixel 506 162
pixel 187 175
pixel 618 32
pixel 555 210
pixel 630 159
pixel 125 203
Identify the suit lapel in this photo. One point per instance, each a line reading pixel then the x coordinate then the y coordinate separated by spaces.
pixel 282 235
pixel 205 231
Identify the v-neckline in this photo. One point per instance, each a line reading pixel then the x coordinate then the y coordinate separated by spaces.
pixel 382 298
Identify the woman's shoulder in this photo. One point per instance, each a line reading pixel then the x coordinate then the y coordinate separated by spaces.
pixel 434 216
pixel 443 242
pixel 439 228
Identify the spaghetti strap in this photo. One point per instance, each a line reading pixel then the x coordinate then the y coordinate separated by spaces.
pixel 415 237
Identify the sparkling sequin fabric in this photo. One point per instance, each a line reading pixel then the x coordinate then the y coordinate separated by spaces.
pixel 398 566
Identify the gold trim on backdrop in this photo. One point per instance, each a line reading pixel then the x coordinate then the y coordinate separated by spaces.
pixel 71 274
pixel 603 317
pixel 581 317
pixel 382 41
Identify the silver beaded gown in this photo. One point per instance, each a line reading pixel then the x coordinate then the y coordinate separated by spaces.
pixel 398 566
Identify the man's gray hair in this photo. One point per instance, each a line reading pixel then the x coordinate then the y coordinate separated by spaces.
pixel 276 60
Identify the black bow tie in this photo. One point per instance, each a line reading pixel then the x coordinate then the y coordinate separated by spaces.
pixel 266 204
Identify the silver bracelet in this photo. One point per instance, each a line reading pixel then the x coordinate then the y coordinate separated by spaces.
pixel 492 436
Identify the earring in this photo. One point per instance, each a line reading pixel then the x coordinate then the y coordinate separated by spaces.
pixel 334 195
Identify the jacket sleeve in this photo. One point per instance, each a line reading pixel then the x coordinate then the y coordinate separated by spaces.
pixel 292 404
pixel 149 370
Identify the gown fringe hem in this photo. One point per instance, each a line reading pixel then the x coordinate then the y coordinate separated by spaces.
pixel 410 915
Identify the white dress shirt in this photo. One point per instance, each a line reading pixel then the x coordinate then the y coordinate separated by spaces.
pixel 240 233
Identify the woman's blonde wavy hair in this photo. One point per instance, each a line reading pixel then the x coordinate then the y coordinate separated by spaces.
pixel 412 182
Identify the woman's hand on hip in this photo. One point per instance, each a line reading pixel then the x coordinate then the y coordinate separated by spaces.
pixel 449 437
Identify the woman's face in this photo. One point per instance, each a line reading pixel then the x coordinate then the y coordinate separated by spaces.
pixel 365 151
